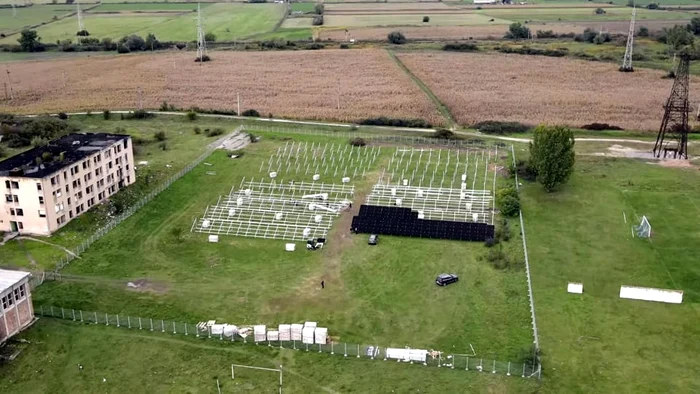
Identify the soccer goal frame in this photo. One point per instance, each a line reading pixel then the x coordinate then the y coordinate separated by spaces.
pixel 643 230
pixel 233 376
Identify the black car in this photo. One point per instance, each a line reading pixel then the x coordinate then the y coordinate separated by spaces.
pixel 446 279
pixel 373 239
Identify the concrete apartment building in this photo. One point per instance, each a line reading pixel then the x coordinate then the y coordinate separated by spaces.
pixel 46 187
pixel 16 310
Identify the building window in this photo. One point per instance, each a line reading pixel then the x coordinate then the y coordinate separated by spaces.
pixel 88 176
pixel 89 189
pixel 58 221
pixel 109 165
pixel 98 171
pixel 79 196
pixel 18 297
pixel 58 193
pixel 70 214
pixel 20 226
pixel 53 181
pixel 128 179
pixel 20 212
pixel 5 304
pixel 7 184
pixel 68 200
pixel 22 291
pixel 42 213
pixel 38 186
pixel 65 175
pixel 127 167
pixel 41 199
pixel 15 185
pixel 12 211
pixel 63 219
pixel 126 144
pixel 15 198
pixel 67 189
pixel 8 197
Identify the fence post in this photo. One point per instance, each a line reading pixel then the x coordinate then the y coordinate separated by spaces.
pixel 73 311
pixel 346 350
pixel 162 326
pixel 128 320
pixel 185 329
pixel 106 319
pixel 332 347
pixel 81 315
pixel 467 367
pixel 174 330
pixel 140 323
pixel 117 320
pixel 151 320
pixel 508 374
pixel 494 366
pixel 358 350
pixel 95 317
pixel 41 310
pixel 523 371
pixel 63 315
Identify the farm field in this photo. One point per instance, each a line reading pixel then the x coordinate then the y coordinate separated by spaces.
pixel 140 361
pixel 226 21
pixel 578 93
pixel 367 81
pixel 145 7
pixel 384 295
pixel 29 16
pixel 578 234
pixel 332 20
pixel 441 32
pixel 583 14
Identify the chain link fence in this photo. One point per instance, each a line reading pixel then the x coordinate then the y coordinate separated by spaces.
pixel 340 349
pixel 100 232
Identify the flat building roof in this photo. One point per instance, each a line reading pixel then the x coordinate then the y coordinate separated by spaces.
pixel 9 278
pixel 63 152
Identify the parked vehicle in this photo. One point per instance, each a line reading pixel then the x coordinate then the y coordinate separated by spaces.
pixel 373 239
pixel 446 279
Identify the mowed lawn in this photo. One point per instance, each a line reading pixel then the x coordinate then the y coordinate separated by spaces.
pixel 597 342
pixel 382 295
pixel 30 16
pixel 226 21
pixel 118 360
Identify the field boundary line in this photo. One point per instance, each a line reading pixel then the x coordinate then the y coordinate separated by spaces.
pixel 442 108
pixel 535 334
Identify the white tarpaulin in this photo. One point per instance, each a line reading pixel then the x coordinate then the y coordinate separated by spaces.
pixel 296 331
pixel 307 335
pixel 273 335
pixel 651 294
pixel 321 334
pixel 285 332
pixel 417 355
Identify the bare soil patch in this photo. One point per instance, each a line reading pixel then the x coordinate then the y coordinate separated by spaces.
pixel 147 285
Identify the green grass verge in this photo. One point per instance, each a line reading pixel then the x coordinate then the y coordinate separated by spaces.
pixel 30 16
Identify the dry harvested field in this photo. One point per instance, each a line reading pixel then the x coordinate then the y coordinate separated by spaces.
pixel 533 90
pixel 304 84
pixel 442 32
pixel 384 7
pixel 622 27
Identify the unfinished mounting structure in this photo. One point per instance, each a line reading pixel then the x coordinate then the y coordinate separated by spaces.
pixel 627 60
pixel 673 133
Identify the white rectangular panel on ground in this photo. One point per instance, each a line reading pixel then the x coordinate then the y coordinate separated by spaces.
pixel 576 288
pixel 417 355
pixel 217 329
pixel 213 238
pixel 290 247
pixel 310 324
pixel 296 331
pixel 285 332
pixel 259 333
pixel 307 335
pixel 321 334
pixel 273 335
pixel 651 294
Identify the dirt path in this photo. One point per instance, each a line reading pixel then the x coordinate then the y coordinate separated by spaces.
pixel 49 243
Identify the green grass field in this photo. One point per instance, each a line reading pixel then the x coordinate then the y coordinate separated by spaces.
pixel 303 7
pixel 583 14
pixel 30 16
pixel 226 21
pixel 466 19
pixel 378 295
pixel 111 7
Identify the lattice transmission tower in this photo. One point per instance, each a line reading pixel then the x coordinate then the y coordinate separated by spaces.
pixel 14 9
pixel 627 60
pixel 201 42
pixel 81 25
pixel 673 134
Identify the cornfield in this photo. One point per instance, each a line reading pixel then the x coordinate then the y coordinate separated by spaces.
pixel 335 85
pixel 537 89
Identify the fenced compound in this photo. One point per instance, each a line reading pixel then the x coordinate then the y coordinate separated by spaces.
pixel 464 361
pixel 276 210
pixel 303 160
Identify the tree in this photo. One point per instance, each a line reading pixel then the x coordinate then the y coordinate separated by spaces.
pixel 133 43
pixel 552 155
pixel 317 21
pixel 508 201
pixel 319 9
pixel 518 30
pixel 29 41
pixel 599 11
pixel 210 37
pixel 396 37
pixel 426 19
pixel 152 42
pixel 652 6
pixel 643 31
pixel 694 26
pixel 678 37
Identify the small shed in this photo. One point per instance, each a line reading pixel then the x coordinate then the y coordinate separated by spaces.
pixel 16 310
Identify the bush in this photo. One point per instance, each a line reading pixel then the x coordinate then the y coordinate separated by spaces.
pixel 210 37
pixel 39 141
pixel 489 242
pixel 599 11
pixel 163 146
pixel 82 33
pixel 517 31
pixel 62 116
pixel 461 47
pixel 214 132
pixel 643 32
pixel 444 134
pixel 426 19
pixel 498 258
pixel 344 46
pixel 396 37
pixel 508 201
pixel 251 113
pixel 652 6
pixel 319 9
pixel 159 136
pixel 139 114
pixel 496 127
pixel 191 116
pixel 122 49
pixel 133 42
pixel 204 58
pixel 357 141
pixel 502 230
pixel 545 34
pixel 197 130
pixel 106 114
pixel 600 126
pixel 314 46
pixel 108 45
pixel 524 170
pixel 384 121
pixel 526 50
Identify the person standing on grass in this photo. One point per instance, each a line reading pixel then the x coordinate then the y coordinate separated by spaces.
pixel 323 284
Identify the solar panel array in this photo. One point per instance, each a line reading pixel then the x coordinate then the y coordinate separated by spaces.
pixel 405 222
